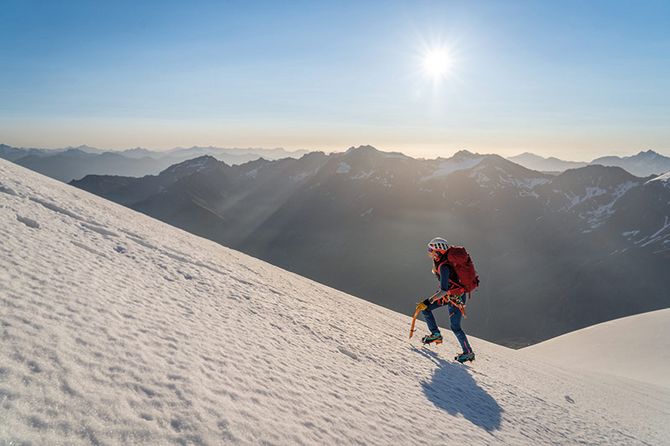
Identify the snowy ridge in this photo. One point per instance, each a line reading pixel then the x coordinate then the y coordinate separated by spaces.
pixel 658 235
pixel 665 179
pixel 612 348
pixel 119 329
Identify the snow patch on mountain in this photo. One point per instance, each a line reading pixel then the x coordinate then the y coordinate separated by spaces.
pixel 502 179
pixel 128 331
pixel 383 180
pixel 302 176
pixel 450 166
pixel 590 192
pixel 603 199
pixel 659 235
pixel 599 215
pixel 665 179
pixel 363 175
pixel 343 168
pixel 526 185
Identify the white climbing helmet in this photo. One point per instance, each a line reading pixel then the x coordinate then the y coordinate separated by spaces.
pixel 438 244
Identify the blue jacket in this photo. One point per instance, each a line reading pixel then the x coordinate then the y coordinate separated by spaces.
pixel 443 274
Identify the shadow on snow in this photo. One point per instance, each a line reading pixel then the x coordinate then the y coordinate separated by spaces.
pixel 453 390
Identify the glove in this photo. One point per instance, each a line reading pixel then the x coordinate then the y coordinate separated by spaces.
pixel 426 302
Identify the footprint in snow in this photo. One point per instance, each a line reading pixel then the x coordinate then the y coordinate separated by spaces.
pixel 28 222
pixel 99 229
pixel 8 190
pixel 347 352
pixel 141 241
pixel 54 207
pixel 88 248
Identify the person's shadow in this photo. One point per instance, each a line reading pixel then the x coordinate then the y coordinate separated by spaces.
pixel 453 390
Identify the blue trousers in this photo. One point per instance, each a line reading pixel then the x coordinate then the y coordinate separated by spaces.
pixel 455 317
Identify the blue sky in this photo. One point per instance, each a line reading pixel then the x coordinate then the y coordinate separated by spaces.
pixel 574 79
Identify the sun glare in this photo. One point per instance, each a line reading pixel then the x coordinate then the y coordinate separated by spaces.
pixel 436 63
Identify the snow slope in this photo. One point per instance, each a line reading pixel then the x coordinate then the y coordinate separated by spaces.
pixel 635 347
pixel 119 329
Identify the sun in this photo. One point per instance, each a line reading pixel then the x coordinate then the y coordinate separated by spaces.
pixel 437 63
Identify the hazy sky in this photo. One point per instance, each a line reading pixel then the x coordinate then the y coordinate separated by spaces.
pixel 574 79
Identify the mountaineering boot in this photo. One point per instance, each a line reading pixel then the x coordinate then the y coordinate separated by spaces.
pixel 432 338
pixel 465 357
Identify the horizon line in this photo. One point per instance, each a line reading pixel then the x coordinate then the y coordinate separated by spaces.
pixel 327 151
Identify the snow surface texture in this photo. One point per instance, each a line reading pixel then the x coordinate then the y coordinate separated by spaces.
pixel 636 347
pixel 119 329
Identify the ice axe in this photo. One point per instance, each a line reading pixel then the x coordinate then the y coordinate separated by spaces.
pixel 419 307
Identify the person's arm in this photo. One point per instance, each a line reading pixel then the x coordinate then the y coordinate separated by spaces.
pixel 444 283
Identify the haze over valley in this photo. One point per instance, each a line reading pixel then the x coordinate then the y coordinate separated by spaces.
pixel 357 220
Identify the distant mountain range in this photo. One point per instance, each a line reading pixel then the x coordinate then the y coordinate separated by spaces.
pixel 555 252
pixel 643 164
pixel 72 163
pixel 551 164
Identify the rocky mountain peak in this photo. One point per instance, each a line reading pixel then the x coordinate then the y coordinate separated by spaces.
pixel 648 154
pixel 194 165
pixel 465 154
pixel 362 149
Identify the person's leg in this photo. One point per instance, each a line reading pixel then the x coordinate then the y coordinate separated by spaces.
pixel 429 318
pixel 455 317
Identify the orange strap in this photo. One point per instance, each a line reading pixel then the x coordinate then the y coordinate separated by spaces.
pixel 449 299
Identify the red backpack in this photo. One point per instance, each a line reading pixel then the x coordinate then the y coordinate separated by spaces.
pixel 459 260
